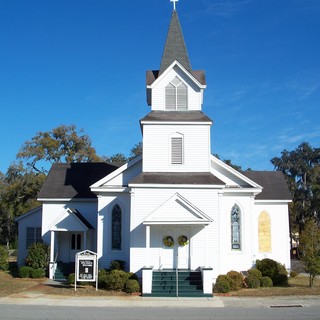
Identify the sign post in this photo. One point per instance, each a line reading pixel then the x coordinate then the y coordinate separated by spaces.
pixel 86 268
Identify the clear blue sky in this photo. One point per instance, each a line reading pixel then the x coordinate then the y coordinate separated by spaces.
pixel 83 62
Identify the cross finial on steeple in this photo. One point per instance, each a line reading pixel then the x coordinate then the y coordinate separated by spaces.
pixel 174 3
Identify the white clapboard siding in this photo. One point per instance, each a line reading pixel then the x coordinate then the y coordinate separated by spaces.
pixel 105 206
pixel 157 148
pixel 33 219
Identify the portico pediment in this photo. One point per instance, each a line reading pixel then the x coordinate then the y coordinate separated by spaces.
pixel 70 220
pixel 177 210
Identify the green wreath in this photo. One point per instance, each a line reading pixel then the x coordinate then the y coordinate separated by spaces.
pixel 168 241
pixel 183 240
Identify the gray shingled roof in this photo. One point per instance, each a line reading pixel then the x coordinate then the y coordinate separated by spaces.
pixel 175 47
pixel 192 116
pixel 195 178
pixel 72 180
pixel 273 183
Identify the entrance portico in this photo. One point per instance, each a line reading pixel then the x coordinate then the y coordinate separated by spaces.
pixel 69 234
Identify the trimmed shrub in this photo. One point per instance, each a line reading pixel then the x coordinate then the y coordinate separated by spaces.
pixel 223 284
pixel 38 256
pixel 24 272
pixel 252 282
pixel 294 274
pixel 280 280
pixel 266 282
pixel 255 273
pixel 236 280
pixel 37 273
pixel 4 259
pixel 131 286
pixel 71 278
pixel 267 267
pixel 117 265
pixel 115 280
pixel 282 269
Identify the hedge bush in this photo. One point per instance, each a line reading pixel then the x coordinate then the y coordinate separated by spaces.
pixel 38 256
pixel 280 280
pixel 37 273
pixel 117 265
pixel 71 278
pixel 255 273
pixel 4 259
pixel 252 282
pixel 131 286
pixel 266 282
pixel 223 284
pixel 293 274
pixel 115 280
pixel 25 272
pixel 236 278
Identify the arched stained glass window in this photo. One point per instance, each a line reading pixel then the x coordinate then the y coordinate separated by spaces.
pixel 235 228
pixel 116 228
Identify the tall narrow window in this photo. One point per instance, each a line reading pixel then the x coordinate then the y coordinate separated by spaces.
pixel 235 228
pixel 176 95
pixel 76 241
pixel 33 235
pixel 176 150
pixel 116 228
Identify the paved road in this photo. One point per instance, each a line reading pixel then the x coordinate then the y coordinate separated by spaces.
pixel 27 312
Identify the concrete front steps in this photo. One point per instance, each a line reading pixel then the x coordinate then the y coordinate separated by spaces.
pixel 189 284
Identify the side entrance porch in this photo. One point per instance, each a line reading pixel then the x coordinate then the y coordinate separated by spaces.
pixel 69 234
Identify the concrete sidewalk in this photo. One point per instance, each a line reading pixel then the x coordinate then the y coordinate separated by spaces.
pixel 38 295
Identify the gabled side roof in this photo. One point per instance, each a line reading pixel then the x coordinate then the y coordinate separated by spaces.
pixel 73 180
pixel 273 182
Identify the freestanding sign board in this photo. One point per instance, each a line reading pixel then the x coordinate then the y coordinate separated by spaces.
pixel 86 267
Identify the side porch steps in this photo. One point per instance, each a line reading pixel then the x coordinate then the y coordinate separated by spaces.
pixel 63 270
pixel 189 284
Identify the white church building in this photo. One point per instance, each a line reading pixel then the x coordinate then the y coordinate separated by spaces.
pixel 174 211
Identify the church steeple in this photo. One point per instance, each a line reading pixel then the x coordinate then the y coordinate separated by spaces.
pixel 175 47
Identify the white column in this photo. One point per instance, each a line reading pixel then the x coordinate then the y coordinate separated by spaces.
pixel 51 264
pixel 52 246
pixel 148 244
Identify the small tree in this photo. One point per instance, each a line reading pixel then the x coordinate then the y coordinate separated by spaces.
pixel 310 247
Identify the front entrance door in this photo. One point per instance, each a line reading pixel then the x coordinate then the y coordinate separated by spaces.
pixel 176 256
pixel 75 245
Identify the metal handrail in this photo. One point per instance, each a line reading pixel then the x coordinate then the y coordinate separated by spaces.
pixel 177 283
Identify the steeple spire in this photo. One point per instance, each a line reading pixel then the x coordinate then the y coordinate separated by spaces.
pixel 175 47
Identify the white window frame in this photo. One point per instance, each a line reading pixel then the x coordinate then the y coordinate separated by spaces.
pixel 177 154
pixel 33 235
pixel 176 95
pixel 236 245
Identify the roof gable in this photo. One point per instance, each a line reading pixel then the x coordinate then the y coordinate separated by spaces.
pixel 70 220
pixel 177 210
pixel 230 176
pixel 197 78
pixel 112 176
